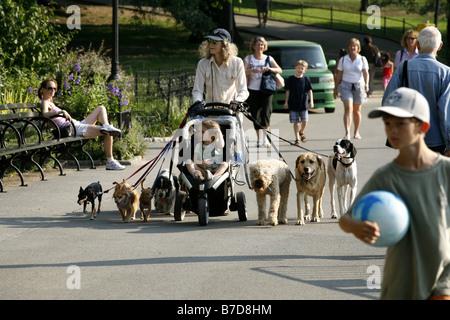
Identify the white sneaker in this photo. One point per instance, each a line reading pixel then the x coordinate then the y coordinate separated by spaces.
pixel 114 165
pixel 109 129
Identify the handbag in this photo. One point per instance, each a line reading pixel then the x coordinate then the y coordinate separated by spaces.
pixel 378 61
pixel 268 82
pixel 64 132
pixel 280 81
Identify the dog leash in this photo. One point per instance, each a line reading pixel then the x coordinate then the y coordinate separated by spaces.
pixel 281 138
pixel 153 161
pixel 276 149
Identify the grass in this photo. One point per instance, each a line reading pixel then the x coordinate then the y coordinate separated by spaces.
pixel 144 43
pixel 159 43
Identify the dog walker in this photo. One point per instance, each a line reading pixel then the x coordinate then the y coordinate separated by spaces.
pixel 217 196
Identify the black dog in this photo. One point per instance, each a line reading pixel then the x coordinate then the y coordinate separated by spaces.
pixel 92 191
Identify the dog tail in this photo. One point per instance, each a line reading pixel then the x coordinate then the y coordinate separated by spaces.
pixel 142 184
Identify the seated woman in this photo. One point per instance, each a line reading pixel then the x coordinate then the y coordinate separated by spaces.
pixel 208 155
pixel 85 128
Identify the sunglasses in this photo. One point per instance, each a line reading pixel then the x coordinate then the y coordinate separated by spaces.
pixel 214 41
pixel 51 88
pixel 411 38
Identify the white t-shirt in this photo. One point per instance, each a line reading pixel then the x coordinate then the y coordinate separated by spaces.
pixel 352 70
pixel 254 79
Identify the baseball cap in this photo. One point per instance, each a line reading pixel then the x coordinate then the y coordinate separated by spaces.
pixel 404 103
pixel 219 35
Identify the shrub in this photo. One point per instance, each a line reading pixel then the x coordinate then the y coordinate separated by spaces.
pixel 29 41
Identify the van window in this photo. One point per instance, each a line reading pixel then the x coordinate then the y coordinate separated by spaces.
pixel 287 57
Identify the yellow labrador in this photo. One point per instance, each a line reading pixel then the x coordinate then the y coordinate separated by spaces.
pixel 310 176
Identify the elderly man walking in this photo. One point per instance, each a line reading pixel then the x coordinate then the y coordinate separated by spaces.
pixel 432 79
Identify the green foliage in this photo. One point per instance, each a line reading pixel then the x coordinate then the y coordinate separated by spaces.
pixel 82 79
pixel 133 143
pixel 29 41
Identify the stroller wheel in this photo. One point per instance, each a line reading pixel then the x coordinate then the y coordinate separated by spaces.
pixel 241 206
pixel 178 211
pixel 203 211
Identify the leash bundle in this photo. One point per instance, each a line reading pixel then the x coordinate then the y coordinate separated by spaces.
pixel 163 152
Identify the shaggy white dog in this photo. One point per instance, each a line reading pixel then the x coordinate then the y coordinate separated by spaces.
pixel 272 178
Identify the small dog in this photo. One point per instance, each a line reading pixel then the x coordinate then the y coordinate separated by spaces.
pixel 310 176
pixel 92 192
pixel 126 199
pixel 145 201
pixel 342 170
pixel 165 191
pixel 271 177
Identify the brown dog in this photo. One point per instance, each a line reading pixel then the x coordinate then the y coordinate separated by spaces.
pixel 310 176
pixel 126 200
pixel 145 201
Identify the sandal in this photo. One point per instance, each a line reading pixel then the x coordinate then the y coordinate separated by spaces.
pixel 297 142
pixel 302 137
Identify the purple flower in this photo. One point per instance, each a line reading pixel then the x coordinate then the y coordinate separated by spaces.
pixel 77 67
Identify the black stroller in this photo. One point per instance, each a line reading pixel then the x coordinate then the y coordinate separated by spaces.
pixel 217 196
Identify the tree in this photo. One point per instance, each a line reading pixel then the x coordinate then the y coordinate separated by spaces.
pixel 198 16
pixel 29 41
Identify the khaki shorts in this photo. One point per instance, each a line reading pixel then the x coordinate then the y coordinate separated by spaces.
pixel 353 91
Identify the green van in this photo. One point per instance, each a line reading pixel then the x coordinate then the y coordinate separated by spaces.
pixel 286 53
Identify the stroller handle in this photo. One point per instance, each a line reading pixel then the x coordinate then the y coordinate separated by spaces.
pixel 218 108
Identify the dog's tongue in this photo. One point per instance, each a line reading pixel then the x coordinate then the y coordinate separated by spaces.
pixel 306 176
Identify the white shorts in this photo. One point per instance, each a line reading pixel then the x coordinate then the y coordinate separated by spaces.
pixel 80 127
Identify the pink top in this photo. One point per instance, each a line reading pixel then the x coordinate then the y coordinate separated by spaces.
pixel 60 121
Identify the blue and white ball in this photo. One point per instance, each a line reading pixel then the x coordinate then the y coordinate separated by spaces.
pixel 388 211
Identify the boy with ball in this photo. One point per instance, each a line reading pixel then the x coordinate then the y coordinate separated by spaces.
pixel 418 266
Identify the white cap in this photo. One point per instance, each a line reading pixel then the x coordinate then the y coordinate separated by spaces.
pixel 404 103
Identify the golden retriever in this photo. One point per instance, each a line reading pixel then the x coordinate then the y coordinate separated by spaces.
pixel 310 177
pixel 126 199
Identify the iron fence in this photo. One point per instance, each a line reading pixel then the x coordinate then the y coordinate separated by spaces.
pixel 169 87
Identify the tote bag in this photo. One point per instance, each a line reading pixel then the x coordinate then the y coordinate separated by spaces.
pixel 268 82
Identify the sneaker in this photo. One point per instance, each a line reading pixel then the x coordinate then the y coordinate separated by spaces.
pixel 114 165
pixel 109 129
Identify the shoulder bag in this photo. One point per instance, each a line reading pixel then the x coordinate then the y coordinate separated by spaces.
pixel 268 82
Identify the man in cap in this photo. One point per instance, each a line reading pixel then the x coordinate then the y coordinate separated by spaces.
pixel 418 266
pixel 220 71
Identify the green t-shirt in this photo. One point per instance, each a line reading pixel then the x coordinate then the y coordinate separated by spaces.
pixel 418 266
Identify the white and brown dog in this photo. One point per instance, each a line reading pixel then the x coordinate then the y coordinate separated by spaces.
pixel 271 177
pixel 310 177
pixel 342 171
pixel 165 191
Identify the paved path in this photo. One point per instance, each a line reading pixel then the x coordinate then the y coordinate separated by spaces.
pixel 43 233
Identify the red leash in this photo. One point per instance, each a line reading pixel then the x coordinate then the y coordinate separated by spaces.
pixel 154 160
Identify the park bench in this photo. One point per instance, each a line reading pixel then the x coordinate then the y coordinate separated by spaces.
pixel 26 137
